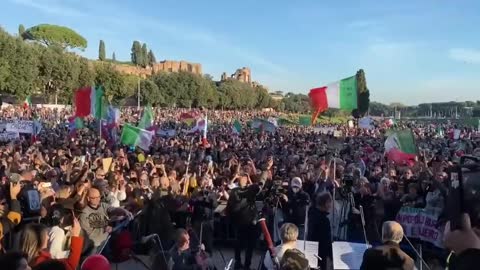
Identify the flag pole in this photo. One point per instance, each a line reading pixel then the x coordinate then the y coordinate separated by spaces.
pixel 138 94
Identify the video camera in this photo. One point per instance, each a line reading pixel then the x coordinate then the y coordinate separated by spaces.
pixel 464 190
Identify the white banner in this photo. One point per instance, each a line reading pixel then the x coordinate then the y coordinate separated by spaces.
pixel 20 126
pixel 8 136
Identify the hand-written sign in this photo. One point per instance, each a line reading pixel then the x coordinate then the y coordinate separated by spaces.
pixel 421 223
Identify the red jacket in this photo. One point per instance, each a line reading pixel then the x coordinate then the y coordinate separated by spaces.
pixel 73 259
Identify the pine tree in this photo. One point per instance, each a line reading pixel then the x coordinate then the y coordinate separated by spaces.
pixel 21 29
pixel 144 55
pixel 151 58
pixel 137 53
pixel 114 59
pixel 101 51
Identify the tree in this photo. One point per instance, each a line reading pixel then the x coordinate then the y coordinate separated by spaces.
pixel 114 59
pixel 55 35
pixel 21 30
pixel 101 51
pixel 150 94
pixel 136 53
pixel 18 66
pixel 363 98
pixel 144 61
pixel 111 80
pixel 151 58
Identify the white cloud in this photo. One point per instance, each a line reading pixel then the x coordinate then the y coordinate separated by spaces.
pixel 471 56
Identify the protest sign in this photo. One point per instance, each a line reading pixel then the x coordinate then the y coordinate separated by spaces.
pixel 421 224
pixel 20 126
pixel 8 136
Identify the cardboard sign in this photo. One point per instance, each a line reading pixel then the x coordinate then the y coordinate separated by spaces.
pixel 106 163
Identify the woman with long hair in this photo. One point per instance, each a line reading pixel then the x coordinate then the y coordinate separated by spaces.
pixel 34 243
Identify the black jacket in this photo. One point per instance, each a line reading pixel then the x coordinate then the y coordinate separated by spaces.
pixel 204 204
pixel 241 205
pixel 467 260
pixel 319 230
pixel 386 256
pixel 296 207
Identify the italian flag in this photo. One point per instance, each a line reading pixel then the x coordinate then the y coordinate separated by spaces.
pixel 89 101
pixel 27 103
pixel 342 95
pixel 147 118
pixel 135 136
pixel 237 127
pixel 400 146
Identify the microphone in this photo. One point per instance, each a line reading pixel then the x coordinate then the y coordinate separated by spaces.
pixel 148 238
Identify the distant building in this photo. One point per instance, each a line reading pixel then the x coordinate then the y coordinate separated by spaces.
pixel 162 66
pixel 242 75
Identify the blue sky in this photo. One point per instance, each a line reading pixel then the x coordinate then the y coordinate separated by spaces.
pixel 412 51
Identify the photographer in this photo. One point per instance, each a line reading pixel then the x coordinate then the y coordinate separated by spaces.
pixel 295 205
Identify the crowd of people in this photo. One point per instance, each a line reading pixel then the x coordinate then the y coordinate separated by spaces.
pixel 67 199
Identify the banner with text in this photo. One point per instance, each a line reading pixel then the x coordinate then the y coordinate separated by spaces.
pixel 20 126
pixel 8 136
pixel 421 224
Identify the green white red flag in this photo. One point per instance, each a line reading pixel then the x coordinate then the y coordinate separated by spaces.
pixel 341 95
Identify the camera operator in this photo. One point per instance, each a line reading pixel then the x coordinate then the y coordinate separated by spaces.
pixel 295 205
pixel 204 202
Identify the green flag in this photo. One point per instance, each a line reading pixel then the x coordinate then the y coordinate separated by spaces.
pixel 147 118
pixel 237 127
pixel 305 120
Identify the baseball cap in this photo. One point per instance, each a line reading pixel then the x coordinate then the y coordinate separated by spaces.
pixel 296 182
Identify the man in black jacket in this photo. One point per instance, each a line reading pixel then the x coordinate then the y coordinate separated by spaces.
pixel 243 213
pixel 319 229
pixel 295 206
pixel 389 255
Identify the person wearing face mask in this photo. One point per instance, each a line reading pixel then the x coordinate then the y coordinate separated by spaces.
pixel 295 204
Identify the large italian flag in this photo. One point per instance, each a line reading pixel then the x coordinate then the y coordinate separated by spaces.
pixel 135 136
pixel 89 101
pixel 400 146
pixel 338 95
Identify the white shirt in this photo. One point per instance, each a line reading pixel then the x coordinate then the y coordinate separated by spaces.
pixel 56 243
